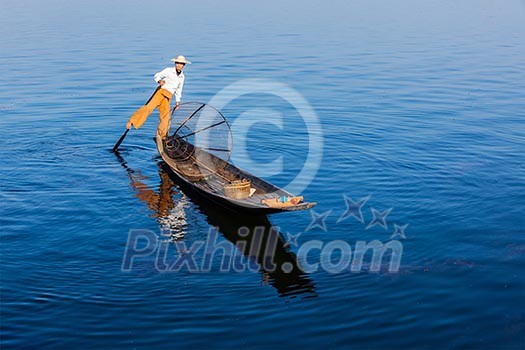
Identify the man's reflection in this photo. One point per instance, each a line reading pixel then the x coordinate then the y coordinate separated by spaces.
pixel 168 212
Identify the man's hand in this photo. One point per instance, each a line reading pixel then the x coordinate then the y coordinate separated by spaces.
pixel 162 82
pixel 129 124
pixel 177 105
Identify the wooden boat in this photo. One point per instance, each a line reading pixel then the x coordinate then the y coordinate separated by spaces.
pixel 217 179
pixel 210 180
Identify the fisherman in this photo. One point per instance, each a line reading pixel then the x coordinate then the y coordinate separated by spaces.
pixel 171 81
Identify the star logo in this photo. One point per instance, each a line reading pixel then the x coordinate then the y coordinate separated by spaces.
pixel 399 231
pixel 379 218
pixel 318 220
pixel 353 208
pixel 292 239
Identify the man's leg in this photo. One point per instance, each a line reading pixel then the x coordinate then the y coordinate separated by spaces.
pixel 164 116
pixel 139 117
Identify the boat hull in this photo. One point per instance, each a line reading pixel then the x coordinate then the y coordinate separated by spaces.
pixel 251 206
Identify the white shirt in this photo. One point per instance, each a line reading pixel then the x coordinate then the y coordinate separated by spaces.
pixel 173 82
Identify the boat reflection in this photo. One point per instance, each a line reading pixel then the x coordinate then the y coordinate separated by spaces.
pixel 254 236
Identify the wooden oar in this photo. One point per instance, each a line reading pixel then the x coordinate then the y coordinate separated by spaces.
pixel 115 148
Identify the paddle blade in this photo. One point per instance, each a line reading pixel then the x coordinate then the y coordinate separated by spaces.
pixel 115 148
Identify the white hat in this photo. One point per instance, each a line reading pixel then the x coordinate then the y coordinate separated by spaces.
pixel 180 59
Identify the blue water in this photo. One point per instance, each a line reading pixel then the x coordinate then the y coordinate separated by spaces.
pixel 421 108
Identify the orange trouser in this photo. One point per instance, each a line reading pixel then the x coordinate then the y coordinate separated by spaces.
pixel 160 100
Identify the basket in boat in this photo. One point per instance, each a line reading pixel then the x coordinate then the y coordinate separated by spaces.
pixel 238 189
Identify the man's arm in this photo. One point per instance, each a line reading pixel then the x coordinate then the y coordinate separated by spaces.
pixel 178 93
pixel 160 76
